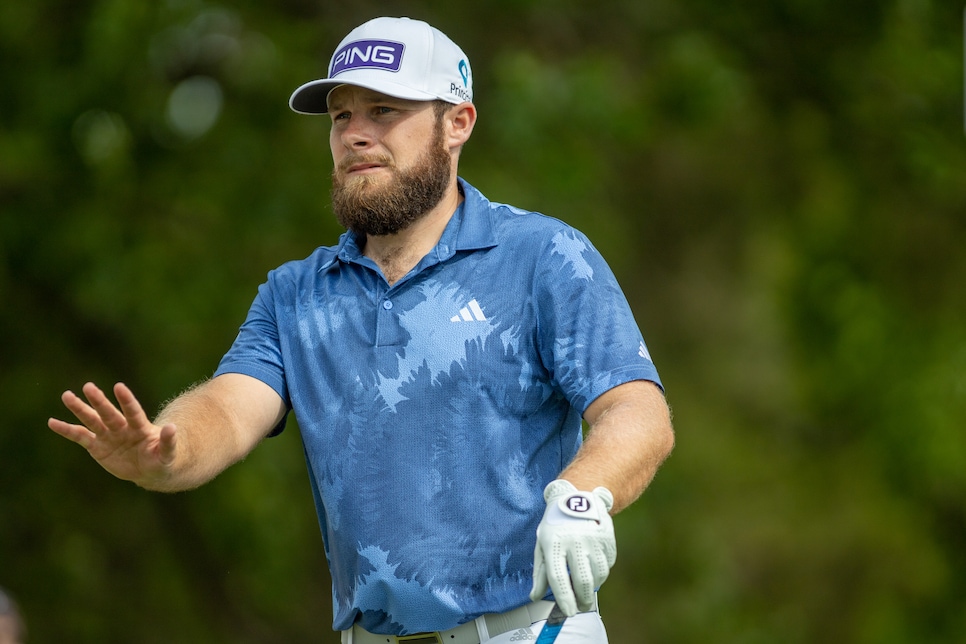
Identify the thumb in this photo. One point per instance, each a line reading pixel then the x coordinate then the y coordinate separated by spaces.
pixel 167 443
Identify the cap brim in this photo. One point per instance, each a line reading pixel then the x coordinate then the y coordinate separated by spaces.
pixel 311 98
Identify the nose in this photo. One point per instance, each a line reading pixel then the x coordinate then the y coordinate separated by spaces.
pixel 357 134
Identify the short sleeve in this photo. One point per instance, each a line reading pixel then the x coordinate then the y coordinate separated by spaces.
pixel 589 339
pixel 257 351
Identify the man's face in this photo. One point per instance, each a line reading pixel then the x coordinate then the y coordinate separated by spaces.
pixel 391 164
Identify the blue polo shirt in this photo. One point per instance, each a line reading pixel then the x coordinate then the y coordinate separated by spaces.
pixel 434 411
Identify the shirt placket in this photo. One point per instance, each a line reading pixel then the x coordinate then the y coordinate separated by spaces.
pixel 389 331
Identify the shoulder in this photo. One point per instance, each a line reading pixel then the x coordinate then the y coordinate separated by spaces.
pixel 519 227
pixel 320 259
pixel 548 247
pixel 297 271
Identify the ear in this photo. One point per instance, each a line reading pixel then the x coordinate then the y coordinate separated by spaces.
pixel 459 122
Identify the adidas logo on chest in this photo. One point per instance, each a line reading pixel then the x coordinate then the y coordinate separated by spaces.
pixel 470 313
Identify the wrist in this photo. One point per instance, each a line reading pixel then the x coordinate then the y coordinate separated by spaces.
pixel 566 503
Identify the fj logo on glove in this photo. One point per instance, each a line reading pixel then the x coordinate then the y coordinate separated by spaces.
pixel 578 504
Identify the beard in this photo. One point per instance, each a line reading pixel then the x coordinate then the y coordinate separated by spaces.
pixel 365 207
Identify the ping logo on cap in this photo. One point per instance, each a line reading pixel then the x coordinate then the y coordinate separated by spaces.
pixel 373 54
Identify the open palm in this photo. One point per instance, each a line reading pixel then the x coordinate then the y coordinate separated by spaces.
pixel 120 438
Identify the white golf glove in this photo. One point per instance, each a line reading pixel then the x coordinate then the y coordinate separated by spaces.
pixel 576 533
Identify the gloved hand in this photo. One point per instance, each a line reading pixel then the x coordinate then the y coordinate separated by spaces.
pixel 576 532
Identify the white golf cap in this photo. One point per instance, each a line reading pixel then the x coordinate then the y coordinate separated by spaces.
pixel 399 57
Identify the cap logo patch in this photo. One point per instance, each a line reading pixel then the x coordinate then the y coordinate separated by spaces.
pixel 372 54
pixel 465 72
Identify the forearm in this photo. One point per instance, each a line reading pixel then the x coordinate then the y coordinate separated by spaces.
pixel 207 439
pixel 630 436
pixel 196 436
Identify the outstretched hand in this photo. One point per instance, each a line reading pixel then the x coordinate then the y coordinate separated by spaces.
pixel 120 438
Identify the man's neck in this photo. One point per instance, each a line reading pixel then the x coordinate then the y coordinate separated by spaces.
pixel 397 254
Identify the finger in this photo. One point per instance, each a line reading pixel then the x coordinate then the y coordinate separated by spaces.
pixel 582 577
pixel 167 441
pixel 109 414
pixel 84 412
pixel 564 596
pixel 610 552
pixel 600 568
pixel 584 592
pixel 559 581
pixel 539 588
pixel 75 433
pixel 130 406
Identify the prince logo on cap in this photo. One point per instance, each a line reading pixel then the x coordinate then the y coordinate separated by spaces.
pixel 372 54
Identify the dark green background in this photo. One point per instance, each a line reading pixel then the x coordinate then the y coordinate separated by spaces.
pixel 779 185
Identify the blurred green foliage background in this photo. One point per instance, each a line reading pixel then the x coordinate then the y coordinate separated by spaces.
pixel 779 185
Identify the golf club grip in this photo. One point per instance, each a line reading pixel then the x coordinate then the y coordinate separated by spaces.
pixel 552 628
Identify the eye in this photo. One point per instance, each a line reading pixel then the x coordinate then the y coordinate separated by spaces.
pixel 339 116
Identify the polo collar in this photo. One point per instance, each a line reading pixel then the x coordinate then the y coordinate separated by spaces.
pixel 475 224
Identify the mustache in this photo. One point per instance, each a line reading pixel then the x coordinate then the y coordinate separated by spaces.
pixel 353 159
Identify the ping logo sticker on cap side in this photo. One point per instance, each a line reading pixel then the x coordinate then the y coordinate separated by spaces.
pixel 373 54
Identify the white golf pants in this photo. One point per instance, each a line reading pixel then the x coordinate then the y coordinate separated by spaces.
pixel 583 628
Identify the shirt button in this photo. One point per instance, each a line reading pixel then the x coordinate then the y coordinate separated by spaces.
pixel 387 304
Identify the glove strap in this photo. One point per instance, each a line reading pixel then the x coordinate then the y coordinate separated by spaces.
pixel 556 489
pixel 566 503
